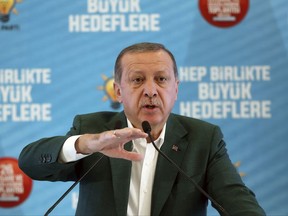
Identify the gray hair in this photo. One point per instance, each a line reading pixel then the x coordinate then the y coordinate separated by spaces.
pixel 141 48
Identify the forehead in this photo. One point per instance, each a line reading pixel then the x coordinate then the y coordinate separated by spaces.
pixel 147 59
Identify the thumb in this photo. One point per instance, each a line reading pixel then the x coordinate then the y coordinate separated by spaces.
pixel 133 156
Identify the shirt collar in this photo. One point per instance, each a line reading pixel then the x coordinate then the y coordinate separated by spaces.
pixel 159 141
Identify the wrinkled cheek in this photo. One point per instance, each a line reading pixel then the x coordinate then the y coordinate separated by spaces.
pixel 130 104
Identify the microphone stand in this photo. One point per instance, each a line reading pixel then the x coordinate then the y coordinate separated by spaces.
pixel 71 187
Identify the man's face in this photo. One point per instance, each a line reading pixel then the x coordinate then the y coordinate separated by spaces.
pixel 148 88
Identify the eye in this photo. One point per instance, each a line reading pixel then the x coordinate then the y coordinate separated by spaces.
pixel 162 79
pixel 137 80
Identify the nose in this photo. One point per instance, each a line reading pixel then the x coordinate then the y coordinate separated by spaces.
pixel 150 89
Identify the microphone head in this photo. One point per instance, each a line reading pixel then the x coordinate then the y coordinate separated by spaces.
pixel 146 127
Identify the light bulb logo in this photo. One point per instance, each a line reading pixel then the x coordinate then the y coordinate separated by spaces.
pixel 109 91
pixel 6 6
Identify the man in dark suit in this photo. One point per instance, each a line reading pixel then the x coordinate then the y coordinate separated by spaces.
pixel 131 178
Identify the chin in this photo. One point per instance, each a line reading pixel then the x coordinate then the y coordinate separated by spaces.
pixel 153 120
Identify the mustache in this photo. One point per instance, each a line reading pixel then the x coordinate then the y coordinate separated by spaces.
pixel 150 102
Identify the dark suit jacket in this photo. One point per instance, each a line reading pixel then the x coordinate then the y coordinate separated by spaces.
pixel 105 190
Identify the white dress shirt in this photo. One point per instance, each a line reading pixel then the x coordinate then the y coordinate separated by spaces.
pixel 142 176
pixel 142 172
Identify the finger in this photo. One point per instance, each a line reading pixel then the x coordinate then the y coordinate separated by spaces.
pixel 116 134
pixel 123 154
pixel 133 156
pixel 129 133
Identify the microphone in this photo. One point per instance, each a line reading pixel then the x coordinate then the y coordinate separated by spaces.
pixel 147 129
pixel 118 125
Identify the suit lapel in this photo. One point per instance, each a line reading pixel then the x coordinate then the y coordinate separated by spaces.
pixel 165 173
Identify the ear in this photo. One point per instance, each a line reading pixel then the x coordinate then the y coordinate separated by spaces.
pixel 117 92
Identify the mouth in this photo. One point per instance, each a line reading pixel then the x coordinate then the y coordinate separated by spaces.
pixel 149 107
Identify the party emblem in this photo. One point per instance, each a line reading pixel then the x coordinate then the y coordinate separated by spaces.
pixel 6 7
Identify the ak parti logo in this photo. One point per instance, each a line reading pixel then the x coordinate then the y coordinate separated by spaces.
pixel 108 89
pixel 223 13
pixel 6 8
